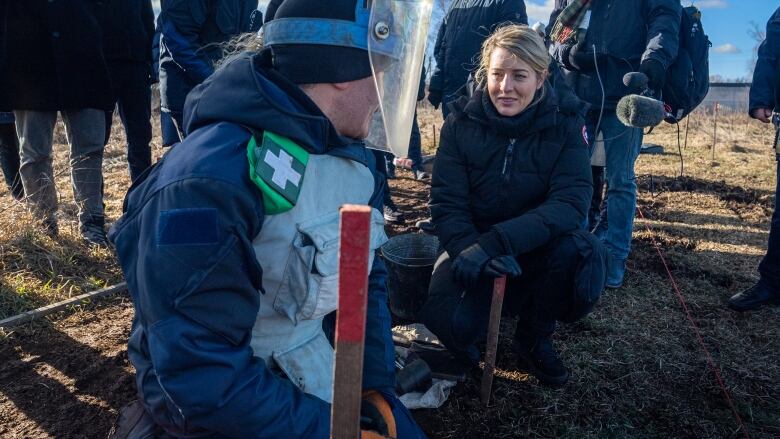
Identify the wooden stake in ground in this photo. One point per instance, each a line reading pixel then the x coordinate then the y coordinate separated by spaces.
pixel 715 130
pixel 499 285
pixel 350 321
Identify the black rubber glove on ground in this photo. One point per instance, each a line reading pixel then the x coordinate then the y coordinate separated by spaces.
pixel 656 74
pixel 505 265
pixel 469 264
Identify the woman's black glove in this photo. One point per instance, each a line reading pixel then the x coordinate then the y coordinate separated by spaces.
pixel 656 74
pixel 505 265
pixel 435 97
pixel 469 264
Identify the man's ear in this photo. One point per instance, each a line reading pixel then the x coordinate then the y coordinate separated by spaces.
pixel 341 86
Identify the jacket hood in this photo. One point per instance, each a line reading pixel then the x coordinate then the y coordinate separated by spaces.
pixel 248 92
pixel 536 117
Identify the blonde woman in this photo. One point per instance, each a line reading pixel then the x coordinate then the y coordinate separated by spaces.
pixel 510 190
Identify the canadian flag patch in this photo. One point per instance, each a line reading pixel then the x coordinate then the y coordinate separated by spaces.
pixel 585 135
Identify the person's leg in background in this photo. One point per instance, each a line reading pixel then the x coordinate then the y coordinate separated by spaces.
pixel 36 135
pixel 9 159
pixel 622 145
pixel 86 132
pixel 170 136
pixel 390 210
pixel 767 289
pixel 415 151
pixel 135 100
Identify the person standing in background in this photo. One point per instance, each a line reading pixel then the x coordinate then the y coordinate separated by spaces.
pixel 764 105
pixel 9 155
pixel 190 44
pixel 466 25
pixel 128 33
pixel 68 74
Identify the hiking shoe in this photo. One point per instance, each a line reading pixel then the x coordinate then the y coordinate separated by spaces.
pixel 421 175
pixel 616 270
pixel 537 356
pixel 94 234
pixel 393 215
pixel 754 297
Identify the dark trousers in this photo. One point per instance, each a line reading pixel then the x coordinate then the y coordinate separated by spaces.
pixel 9 159
pixel 130 81
pixel 543 294
pixel 769 268
pixel 415 145
pixel 381 158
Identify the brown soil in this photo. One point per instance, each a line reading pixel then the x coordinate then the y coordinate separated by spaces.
pixel 637 368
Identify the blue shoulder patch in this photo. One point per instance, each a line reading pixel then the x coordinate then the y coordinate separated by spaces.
pixel 188 227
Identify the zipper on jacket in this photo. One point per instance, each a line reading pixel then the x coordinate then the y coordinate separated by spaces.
pixel 506 171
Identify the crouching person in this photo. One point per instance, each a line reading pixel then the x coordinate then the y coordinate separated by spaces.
pixel 227 243
pixel 510 189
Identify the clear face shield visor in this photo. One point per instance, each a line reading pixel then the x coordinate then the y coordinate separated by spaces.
pixel 397 32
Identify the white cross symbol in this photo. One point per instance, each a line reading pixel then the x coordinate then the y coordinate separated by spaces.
pixel 283 170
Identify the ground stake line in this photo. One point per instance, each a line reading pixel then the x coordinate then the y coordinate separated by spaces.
pixel 710 360
pixel 59 306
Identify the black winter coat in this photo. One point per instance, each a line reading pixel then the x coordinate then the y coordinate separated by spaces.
pixel 511 184
pixel 128 30
pixel 624 33
pixel 51 56
pixel 467 24
pixel 766 77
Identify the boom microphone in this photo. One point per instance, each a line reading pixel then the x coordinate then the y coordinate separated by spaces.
pixel 640 111
pixel 636 81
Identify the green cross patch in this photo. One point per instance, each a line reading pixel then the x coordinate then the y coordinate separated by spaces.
pixel 277 167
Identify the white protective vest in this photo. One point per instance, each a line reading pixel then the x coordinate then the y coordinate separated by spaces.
pixel 298 251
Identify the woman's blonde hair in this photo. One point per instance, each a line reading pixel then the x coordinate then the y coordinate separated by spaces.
pixel 519 40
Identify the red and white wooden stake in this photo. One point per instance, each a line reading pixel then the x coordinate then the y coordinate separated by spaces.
pixel 350 321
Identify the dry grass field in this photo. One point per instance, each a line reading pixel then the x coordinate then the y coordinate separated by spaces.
pixel 638 369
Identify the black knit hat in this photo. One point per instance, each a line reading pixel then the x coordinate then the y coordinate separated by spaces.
pixel 319 64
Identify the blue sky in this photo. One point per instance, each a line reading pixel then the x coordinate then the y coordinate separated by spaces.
pixel 726 22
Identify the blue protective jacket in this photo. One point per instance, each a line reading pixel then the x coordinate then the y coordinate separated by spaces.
pixel 185 246
pixel 764 91
pixel 192 34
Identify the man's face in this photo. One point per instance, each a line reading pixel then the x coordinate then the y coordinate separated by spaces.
pixel 358 102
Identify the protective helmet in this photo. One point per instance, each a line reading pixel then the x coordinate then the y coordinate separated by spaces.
pixel 316 41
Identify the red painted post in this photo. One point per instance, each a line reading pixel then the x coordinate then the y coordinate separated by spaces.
pixel 350 321
pixel 499 285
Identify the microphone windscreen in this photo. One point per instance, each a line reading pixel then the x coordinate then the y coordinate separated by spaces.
pixel 640 111
pixel 635 80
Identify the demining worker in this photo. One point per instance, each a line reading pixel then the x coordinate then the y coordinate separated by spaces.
pixel 229 244
pixel 192 33
pixel 764 100
pixel 596 42
pixel 509 192
pixel 460 36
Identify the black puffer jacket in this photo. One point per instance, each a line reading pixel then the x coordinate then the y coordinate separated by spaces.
pixel 764 91
pixel 460 37
pixel 510 199
pixel 128 30
pixel 51 56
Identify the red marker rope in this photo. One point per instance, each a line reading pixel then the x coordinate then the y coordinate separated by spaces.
pixel 696 330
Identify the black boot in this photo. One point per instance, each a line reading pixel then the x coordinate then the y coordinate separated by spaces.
pixel 536 355
pixel 752 298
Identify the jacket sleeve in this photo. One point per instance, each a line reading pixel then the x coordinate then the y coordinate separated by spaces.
pixel 512 11
pixel 439 54
pixel 195 285
pixel 450 194
pixel 557 9
pixel 147 15
pixel 564 209
pixel 663 30
pixel 181 22
pixel 763 92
